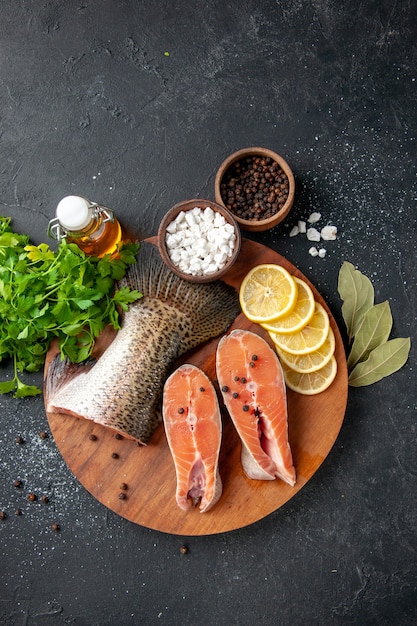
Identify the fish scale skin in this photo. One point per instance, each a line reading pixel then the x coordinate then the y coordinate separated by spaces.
pixel 123 389
pixel 125 398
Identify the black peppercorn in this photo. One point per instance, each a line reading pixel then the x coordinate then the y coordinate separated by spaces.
pixel 43 435
pixel 45 499
pixel 115 455
pixel 183 549
pixel 17 484
pixel 122 496
pixel 32 497
pixel 55 527
pixel 18 512
pixel 19 440
pixel 118 436
pixel 245 407
pixel 93 438
pixel 3 515
pixel 254 188
pixel 123 486
pixel 225 388
pixel 235 394
pixel 180 410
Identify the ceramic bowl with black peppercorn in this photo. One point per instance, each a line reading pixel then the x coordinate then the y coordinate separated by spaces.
pixel 257 186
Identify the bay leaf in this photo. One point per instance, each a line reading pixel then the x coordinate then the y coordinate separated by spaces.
pixel 382 361
pixel 357 293
pixel 374 330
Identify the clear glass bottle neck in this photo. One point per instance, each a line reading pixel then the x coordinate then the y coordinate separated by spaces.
pixel 99 216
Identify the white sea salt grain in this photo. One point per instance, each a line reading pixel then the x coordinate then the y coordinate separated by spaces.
pixel 294 231
pixel 314 217
pixel 313 251
pixel 322 253
pixel 301 226
pixel 313 234
pixel 328 233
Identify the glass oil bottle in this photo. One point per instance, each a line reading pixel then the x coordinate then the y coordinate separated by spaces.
pixel 94 228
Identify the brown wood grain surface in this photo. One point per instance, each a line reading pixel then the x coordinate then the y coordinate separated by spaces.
pixel 103 464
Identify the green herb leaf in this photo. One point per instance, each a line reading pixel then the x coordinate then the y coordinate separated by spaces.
pixel 125 296
pixel 374 330
pixel 383 360
pixel 84 304
pixel 372 355
pixel 64 294
pixel 40 253
pixel 7 386
pixel 23 390
pixel 23 333
pixel 357 293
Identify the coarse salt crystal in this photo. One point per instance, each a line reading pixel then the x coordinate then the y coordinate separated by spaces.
pixel 195 265
pixel 313 251
pixel 189 242
pixel 190 218
pixel 313 234
pixel 175 256
pixel 211 269
pixel 301 226
pixel 201 243
pixel 172 227
pixel 208 214
pixel 212 235
pixel 314 217
pixel 177 238
pixel 294 231
pixel 220 258
pixel 219 220
pixel 200 253
pixel 329 233
pixel 322 253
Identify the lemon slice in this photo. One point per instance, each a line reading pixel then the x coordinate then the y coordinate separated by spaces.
pixel 312 361
pixel 299 316
pixel 267 293
pixel 313 383
pixel 309 338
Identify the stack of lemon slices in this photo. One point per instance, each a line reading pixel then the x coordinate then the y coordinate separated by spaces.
pixel 298 325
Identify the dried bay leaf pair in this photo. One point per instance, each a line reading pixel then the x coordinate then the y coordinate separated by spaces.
pixel 372 355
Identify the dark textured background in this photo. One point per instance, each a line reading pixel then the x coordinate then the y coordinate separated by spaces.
pixel 90 104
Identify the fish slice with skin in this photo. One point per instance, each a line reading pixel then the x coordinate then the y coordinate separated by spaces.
pixel 253 388
pixel 122 389
pixel 193 429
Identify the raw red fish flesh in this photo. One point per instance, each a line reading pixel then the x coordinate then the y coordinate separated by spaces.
pixel 193 428
pixel 252 383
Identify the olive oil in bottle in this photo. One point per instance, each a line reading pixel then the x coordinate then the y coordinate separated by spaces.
pixel 92 227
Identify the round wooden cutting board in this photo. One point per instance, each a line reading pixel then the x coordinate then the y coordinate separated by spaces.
pixel 139 482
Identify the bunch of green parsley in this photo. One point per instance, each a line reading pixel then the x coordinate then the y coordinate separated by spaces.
pixel 46 295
